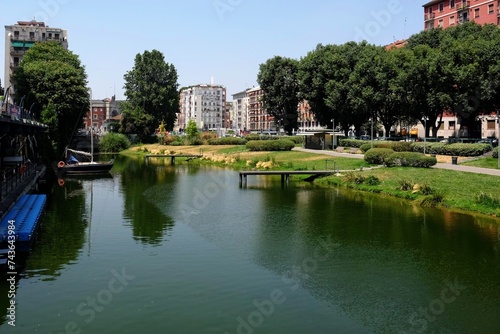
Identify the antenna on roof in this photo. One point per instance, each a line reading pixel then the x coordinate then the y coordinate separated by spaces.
pixel 404 30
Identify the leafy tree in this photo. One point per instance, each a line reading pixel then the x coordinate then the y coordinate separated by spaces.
pixel 192 130
pixel 152 86
pixel 53 78
pixel 2 91
pixel 136 121
pixel 278 78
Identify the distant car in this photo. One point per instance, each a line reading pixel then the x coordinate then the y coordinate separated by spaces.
pixel 364 137
pixel 492 141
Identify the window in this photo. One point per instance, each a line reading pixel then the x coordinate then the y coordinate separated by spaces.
pixel 491 9
pixel 490 124
pixel 56 36
pixel 476 12
pixel 451 125
pixel 441 6
pixel 440 23
pixel 16 34
pixel 452 20
pixel 452 3
pixel 32 35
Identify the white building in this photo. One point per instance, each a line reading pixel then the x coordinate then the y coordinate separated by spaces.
pixel 206 104
pixel 240 111
pixel 20 37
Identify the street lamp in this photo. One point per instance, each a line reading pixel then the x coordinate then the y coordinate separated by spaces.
pixel 333 134
pixel 425 118
pixel 371 134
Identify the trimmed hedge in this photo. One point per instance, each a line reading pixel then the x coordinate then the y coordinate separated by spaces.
pixel 255 136
pixel 227 141
pixel 410 159
pixel 378 155
pixel 495 153
pixel 397 146
pixel 270 145
pixel 457 149
pixel 346 142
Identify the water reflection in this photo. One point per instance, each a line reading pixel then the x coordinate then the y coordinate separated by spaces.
pixel 148 223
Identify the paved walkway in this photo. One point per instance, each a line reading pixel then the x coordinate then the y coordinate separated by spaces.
pixel 460 168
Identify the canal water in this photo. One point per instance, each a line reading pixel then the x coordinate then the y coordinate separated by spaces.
pixel 184 249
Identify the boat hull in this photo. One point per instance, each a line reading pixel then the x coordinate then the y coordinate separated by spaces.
pixel 84 168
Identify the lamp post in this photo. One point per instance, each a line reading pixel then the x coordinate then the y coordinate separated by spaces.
pixel 371 133
pixel 333 134
pixel 425 130
pixel 498 139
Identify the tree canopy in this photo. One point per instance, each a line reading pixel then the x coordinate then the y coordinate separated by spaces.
pixel 151 88
pixel 53 79
pixel 278 78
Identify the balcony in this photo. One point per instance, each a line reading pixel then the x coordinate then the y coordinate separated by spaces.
pixel 463 6
pixel 429 16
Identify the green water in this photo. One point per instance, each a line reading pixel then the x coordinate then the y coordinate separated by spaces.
pixel 162 249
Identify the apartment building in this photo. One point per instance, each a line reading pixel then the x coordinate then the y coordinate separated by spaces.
pixel 20 37
pixel 306 119
pixel 447 13
pixel 206 104
pixel 259 120
pixel 240 111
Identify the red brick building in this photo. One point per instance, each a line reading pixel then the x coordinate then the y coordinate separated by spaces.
pixel 447 13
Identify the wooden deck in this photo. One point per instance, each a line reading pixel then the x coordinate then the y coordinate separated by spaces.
pixel 285 174
pixel 173 156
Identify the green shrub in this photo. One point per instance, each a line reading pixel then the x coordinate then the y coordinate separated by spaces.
pixel 409 159
pixel 114 142
pixel 456 149
pixel 372 180
pixel 255 136
pixel 346 142
pixel 365 147
pixel 425 189
pixel 295 139
pixel 270 145
pixel 432 200
pixel 378 155
pixel 396 146
pixel 495 153
pixel 227 141
pixel 196 140
pixel 177 143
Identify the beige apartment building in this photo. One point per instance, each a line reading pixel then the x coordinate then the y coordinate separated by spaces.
pixel 20 37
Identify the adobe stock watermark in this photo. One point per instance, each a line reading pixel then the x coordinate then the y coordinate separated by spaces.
pixel 419 321
pixel 381 20
pixel 204 195
pixel 93 305
pixel 48 9
pixel 291 282
pixel 223 6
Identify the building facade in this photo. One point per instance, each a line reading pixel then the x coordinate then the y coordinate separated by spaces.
pixel 240 111
pixel 206 104
pixel 20 37
pixel 259 120
pixel 447 13
pixel 105 114
pixel 306 119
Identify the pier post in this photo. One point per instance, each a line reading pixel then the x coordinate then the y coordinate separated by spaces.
pixel 172 159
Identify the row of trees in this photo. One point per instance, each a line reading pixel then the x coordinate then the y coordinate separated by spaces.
pixel 53 80
pixel 456 70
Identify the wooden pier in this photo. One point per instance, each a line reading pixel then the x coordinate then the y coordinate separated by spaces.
pixel 285 174
pixel 173 156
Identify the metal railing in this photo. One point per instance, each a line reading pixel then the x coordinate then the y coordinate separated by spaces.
pixel 12 177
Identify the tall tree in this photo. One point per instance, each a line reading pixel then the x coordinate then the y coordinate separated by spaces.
pixel 53 79
pixel 152 85
pixel 278 78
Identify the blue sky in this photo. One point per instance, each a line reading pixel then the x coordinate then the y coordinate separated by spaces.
pixel 223 39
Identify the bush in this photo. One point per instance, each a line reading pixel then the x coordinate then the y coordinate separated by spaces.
pixel 270 145
pixel 255 136
pixel 207 135
pixel 114 142
pixel 487 200
pixel 377 156
pixel 406 185
pixel 372 180
pixel 495 153
pixel 295 139
pixel 227 141
pixel 456 149
pixel 397 146
pixel 351 142
pixel 410 159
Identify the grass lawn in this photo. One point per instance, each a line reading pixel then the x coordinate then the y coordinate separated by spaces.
pixel 488 162
pixel 426 186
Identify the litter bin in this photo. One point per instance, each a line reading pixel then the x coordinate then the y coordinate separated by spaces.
pixel 454 160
